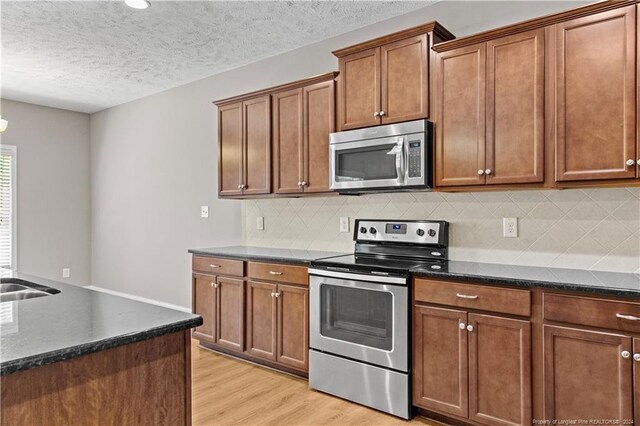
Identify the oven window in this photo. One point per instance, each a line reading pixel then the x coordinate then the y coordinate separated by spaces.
pixel 362 164
pixel 354 315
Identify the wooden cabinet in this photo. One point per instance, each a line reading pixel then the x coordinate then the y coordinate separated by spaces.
pixel 490 112
pixel 230 313
pixel 636 379
pixel 244 147
pixel 303 118
pixel 386 80
pixel 261 319
pixel 586 375
pixel 472 366
pixel 204 304
pixel 596 96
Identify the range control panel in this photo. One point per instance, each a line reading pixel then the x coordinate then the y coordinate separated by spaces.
pixel 432 232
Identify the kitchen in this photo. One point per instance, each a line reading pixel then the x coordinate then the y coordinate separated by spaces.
pixel 211 190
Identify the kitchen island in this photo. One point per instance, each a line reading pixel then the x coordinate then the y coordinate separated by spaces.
pixel 85 357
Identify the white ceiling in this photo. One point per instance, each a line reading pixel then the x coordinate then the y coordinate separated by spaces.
pixel 91 55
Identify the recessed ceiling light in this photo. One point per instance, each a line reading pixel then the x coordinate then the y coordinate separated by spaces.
pixel 137 4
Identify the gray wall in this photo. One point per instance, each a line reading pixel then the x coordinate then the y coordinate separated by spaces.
pixel 153 160
pixel 54 202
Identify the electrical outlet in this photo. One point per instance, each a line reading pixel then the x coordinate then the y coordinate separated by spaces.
pixel 204 211
pixel 260 223
pixel 66 272
pixel 510 227
pixel 344 224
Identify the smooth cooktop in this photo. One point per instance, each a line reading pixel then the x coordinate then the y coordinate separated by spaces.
pixel 368 263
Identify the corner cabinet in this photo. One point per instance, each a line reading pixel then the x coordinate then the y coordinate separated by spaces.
pixel 244 147
pixel 489 101
pixel 303 118
pixel 386 80
pixel 595 84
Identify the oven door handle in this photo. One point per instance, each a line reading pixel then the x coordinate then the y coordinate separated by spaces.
pixel 358 277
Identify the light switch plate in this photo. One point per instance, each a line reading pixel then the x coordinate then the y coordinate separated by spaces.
pixel 260 223
pixel 344 224
pixel 204 211
pixel 66 272
pixel 510 227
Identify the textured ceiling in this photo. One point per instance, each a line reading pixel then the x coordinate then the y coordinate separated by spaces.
pixel 90 55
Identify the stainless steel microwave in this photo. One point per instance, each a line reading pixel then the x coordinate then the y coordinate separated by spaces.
pixel 391 157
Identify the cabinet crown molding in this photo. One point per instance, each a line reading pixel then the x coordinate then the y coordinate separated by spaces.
pixel 431 27
pixel 532 24
pixel 280 88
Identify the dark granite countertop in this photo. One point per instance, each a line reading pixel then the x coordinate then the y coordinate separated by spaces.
pixel 265 254
pixel 580 280
pixel 75 322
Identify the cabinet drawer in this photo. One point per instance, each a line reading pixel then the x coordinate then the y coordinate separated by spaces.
pixel 504 300
pixel 214 265
pixel 278 272
pixel 592 312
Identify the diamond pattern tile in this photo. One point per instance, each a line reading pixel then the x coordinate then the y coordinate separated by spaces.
pixel 590 229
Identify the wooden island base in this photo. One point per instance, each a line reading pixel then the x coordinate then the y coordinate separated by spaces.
pixel 147 382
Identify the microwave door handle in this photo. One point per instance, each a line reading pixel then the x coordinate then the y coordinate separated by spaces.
pixel 400 160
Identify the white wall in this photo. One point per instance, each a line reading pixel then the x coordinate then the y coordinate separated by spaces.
pixel 53 210
pixel 154 160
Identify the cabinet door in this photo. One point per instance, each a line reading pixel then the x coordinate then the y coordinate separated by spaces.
pixel 319 121
pixel 499 370
pixel 230 150
pixel 230 313
pixel 293 326
pixel 460 110
pixel 405 80
pixel 261 319
pixel 585 376
pixel 596 96
pixel 204 304
pixel 515 108
pixel 636 379
pixel 440 380
pixel 287 142
pixel 257 145
pixel 359 90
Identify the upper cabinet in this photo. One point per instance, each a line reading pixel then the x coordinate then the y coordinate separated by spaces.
pixel 277 136
pixel 489 101
pixel 596 96
pixel 386 80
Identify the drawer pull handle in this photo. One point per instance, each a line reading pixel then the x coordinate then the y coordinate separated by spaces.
pixel 466 296
pixel 627 317
pixel 275 273
pixel 214 266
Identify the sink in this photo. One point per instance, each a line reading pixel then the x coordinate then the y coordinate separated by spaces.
pixel 12 289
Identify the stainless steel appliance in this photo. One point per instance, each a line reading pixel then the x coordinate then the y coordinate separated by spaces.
pixel 360 311
pixel 391 157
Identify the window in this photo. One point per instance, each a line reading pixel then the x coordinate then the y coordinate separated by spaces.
pixel 8 206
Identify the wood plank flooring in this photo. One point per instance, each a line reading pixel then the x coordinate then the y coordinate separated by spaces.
pixel 227 391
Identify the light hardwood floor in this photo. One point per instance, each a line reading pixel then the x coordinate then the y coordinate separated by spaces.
pixel 227 391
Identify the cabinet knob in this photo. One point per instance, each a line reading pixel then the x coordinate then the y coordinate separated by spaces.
pixel 212 284
pixel 376 114
pixel 239 186
pixel 638 162
pixel 469 327
pixel 216 285
pixel 488 171
pixel 480 172
pixel 299 184
pixel 276 295
pixel 636 357
pixel 462 326
pixel 625 354
pixel 304 183
pixel 382 113
pixel 630 162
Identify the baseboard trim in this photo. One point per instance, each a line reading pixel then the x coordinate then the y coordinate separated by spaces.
pixel 139 298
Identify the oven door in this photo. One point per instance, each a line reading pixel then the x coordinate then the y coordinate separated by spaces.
pixel 373 163
pixel 364 321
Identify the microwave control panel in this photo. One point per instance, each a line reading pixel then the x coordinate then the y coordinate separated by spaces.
pixel 415 158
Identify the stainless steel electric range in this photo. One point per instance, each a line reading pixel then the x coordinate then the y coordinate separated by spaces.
pixel 360 308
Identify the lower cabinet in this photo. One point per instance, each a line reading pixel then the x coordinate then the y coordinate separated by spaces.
pixel 277 323
pixel 230 313
pixel 472 366
pixel 588 375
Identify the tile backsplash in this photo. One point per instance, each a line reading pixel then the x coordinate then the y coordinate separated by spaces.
pixel 589 229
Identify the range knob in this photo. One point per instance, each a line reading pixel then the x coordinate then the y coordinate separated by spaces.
pixel 363 230
pixel 431 232
pixel 420 232
pixel 373 230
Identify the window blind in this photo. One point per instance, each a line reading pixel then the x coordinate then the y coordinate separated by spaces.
pixel 7 205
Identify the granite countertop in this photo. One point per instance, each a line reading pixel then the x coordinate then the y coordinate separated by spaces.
pixel 265 254
pixel 75 322
pixel 580 280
